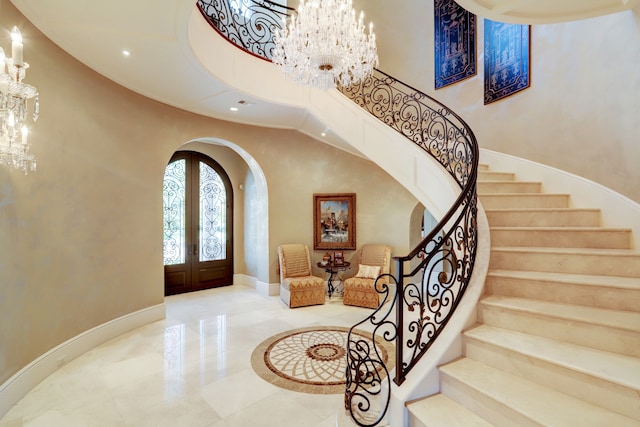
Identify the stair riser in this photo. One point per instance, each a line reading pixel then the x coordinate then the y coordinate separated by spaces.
pixel 415 422
pixel 586 334
pixel 566 293
pixel 575 263
pixel 596 239
pixel 594 390
pixel 481 404
pixel 556 218
pixel 438 410
pixel 522 201
pixel 508 187
pixel 496 176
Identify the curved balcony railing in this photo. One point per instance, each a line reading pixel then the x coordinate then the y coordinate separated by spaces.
pixel 431 280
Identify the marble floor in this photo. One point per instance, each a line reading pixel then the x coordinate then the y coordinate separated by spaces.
pixel 191 369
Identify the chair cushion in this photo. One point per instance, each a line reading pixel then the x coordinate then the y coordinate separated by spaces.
pixel 296 260
pixel 303 282
pixel 374 254
pixel 368 271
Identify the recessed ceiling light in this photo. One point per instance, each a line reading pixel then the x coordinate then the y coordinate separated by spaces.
pixel 233 108
pixel 125 52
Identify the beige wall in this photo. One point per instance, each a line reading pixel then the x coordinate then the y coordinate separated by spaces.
pixel 580 113
pixel 81 239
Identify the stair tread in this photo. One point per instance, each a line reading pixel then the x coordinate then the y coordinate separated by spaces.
pixel 438 409
pixel 542 210
pixel 542 404
pixel 500 181
pixel 580 279
pixel 524 194
pixel 613 367
pixel 559 228
pixel 579 251
pixel 503 175
pixel 625 320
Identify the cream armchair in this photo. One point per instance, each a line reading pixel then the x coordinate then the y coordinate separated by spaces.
pixel 298 287
pixel 373 261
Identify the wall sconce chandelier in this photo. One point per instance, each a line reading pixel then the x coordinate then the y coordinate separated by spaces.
pixel 14 99
pixel 324 45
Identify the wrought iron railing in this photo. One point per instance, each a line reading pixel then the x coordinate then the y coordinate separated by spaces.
pixel 431 280
pixel 249 24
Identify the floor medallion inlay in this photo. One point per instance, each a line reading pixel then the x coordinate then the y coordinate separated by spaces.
pixel 309 360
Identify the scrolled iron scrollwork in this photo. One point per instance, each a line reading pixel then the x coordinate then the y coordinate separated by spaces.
pixel 368 383
pixel 419 118
pixel 249 24
pixel 429 293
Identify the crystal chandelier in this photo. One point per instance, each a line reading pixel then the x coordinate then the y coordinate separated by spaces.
pixel 14 98
pixel 324 45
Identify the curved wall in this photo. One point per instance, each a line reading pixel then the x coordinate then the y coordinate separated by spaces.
pixel 81 238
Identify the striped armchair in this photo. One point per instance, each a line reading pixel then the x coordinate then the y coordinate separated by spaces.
pixel 360 290
pixel 298 287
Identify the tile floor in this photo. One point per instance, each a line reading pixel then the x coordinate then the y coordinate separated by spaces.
pixel 191 369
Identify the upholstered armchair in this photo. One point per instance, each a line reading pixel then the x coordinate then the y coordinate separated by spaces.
pixel 373 261
pixel 298 287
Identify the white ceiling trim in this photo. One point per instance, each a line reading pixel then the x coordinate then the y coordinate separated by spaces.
pixel 544 11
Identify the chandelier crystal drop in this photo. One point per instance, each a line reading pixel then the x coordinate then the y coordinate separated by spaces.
pixel 324 45
pixel 14 108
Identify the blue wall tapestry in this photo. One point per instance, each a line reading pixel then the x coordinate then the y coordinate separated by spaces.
pixel 455 43
pixel 506 59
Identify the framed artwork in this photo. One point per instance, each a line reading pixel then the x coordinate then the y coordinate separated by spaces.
pixel 334 221
pixel 507 52
pixel 454 43
pixel 338 257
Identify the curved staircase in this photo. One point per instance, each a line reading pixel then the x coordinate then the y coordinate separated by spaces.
pixel 557 338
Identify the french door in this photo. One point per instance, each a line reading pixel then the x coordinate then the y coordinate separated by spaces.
pixel 198 224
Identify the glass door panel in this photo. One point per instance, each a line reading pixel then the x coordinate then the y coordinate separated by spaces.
pixel 213 203
pixel 174 219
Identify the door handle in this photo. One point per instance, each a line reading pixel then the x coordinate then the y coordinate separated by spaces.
pixel 195 249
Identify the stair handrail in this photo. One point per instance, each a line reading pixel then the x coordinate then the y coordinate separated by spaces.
pixel 431 280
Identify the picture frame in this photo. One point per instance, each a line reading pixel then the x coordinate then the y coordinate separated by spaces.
pixel 338 257
pixel 334 221
pixel 507 59
pixel 454 43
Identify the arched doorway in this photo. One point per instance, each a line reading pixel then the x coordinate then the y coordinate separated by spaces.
pixel 197 224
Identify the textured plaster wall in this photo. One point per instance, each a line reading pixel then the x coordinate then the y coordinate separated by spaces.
pixel 580 113
pixel 81 239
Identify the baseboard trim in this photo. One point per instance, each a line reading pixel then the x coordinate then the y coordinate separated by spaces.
pixel 16 387
pixel 268 289
pixel 243 279
pixel 263 288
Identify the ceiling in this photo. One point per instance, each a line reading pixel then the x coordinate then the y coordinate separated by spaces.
pixel 544 11
pixel 162 66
